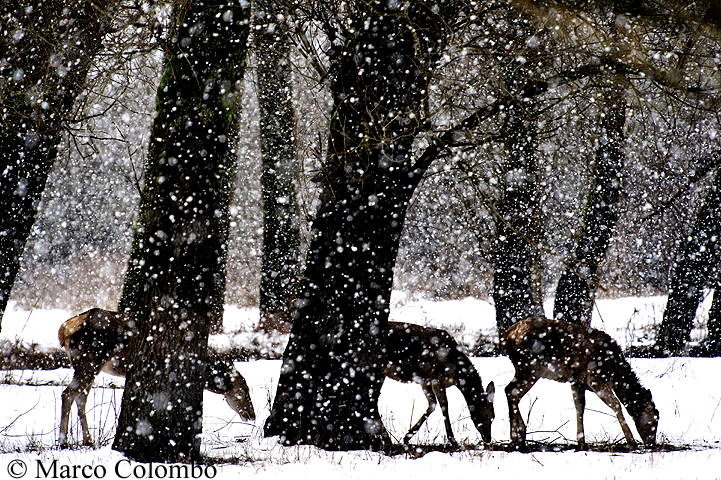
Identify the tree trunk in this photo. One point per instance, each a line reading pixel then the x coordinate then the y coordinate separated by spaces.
pixel 176 273
pixel 281 211
pixel 576 288
pixel 43 68
pixel 515 272
pixel 695 265
pixel 333 366
pixel 711 345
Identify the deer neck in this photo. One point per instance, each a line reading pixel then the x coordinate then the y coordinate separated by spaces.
pixel 468 381
pixel 630 391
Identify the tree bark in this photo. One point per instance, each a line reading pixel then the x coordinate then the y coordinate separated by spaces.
pixel 577 286
pixel 333 366
pixel 176 273
pixel 47 49
pixel 515 262
pixel 711 346
pixel 695 265
pixel 280 262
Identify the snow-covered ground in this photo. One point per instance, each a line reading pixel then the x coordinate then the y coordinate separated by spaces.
pixel 686 391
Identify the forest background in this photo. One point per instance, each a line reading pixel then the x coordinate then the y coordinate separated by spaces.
pixel 77 253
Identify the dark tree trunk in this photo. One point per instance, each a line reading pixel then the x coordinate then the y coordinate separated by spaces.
pixel 44 61
pixel 176 274
pixel 694 268
pixel 281 211
pixel 515 272
pixel 576 288
pixel 711 345
pixel 333 366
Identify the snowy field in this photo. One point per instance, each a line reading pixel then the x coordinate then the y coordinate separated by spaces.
pixel 687 393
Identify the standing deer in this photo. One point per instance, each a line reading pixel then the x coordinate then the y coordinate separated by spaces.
pixel 586 358
pixel 98 340
pixel 433 359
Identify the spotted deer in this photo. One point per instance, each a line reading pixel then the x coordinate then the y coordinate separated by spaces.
pixel 432 359
pixel 98 340
pixel 586 358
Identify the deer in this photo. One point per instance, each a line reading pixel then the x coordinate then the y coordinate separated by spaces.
pixel 431 358
pixel 588 359
pixel 97 340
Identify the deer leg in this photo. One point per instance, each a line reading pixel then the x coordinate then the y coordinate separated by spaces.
pixel 431 397
pixel 515 390
pixel 579 399
pixel 605 393
pixel 81 402
pixel 440 393
pixel 77 391
pixel 67 399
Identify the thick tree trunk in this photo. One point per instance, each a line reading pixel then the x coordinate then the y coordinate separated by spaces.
pixel 175 278
pixel 695 265
pixel 515 272
pixel 333 366
pixel 711 345
pixel 576 288
pixel 281 211
pixel 44 61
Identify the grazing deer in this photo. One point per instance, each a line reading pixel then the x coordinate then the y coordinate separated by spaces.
pixel 586 358
pixel 433 359
pixel 98 340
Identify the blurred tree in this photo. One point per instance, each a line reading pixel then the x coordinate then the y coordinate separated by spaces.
pixel 711 345
pixel 516 260
pixel 694 268
pixel 176 274
pixel 576 289
pixel 280 262
pixel 47 50
pixel 616 39
pixel 516 270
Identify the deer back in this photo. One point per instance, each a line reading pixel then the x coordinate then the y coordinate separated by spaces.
pixel 98 335
pixel 421 354
pixel 563 351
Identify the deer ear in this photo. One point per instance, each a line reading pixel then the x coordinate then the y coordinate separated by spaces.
pixel 491 392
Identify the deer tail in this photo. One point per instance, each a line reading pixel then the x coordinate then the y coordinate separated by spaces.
pixel 70 327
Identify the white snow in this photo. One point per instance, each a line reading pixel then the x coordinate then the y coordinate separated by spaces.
pixel 686 391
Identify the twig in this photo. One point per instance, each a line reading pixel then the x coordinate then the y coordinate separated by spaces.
pixel 5 429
